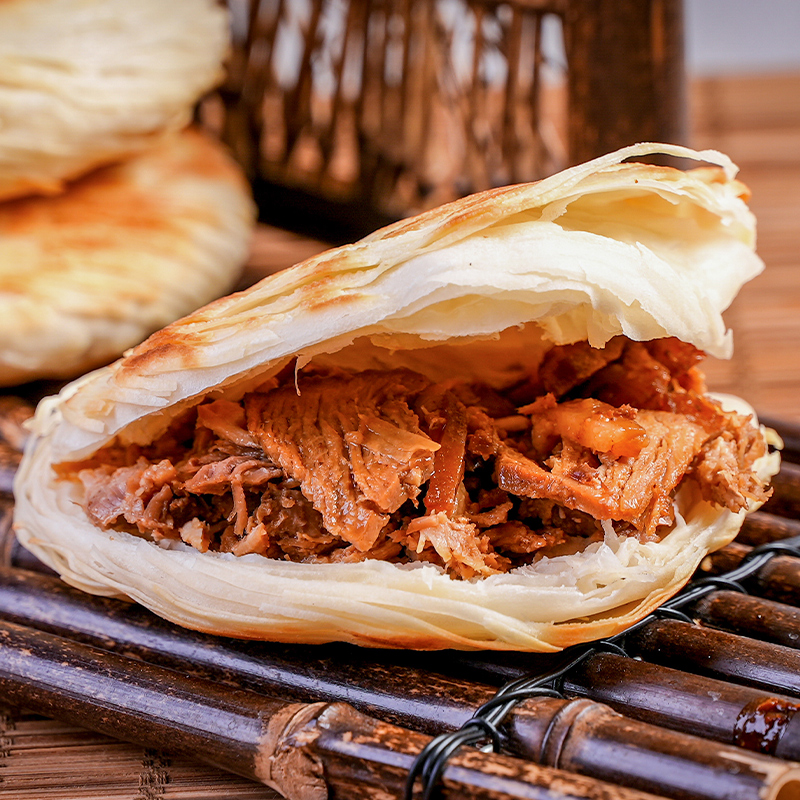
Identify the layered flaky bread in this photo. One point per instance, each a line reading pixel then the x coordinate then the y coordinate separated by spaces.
pixel 127 249
pixel 85 82
pixel 482 292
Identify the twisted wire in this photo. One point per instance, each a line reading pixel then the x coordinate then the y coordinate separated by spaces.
pixel 484 725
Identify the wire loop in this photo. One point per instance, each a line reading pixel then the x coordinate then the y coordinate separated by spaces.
pixel 780 548
pixel 672 613
pixel 720 582
pixel 488 730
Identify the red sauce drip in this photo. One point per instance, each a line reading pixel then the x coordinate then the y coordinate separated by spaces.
pixel 761 724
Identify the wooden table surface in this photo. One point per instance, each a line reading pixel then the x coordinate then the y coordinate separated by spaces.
pixel 757 122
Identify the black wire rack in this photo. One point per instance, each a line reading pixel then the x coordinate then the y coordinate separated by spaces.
pixel 483 728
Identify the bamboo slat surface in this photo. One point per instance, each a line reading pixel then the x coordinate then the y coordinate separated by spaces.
pixel 41 759
pixel 757 122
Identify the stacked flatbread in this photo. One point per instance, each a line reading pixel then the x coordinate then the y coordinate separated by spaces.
pixel 115 218
pixel 84 83
pixel 506 384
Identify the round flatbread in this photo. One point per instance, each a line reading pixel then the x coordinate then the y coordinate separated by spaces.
pixel 86 82
pixel 476 290
pixel 90 272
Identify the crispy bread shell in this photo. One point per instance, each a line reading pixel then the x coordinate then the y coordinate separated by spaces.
pixel 86 82
pixel 602 249
pixel 127 249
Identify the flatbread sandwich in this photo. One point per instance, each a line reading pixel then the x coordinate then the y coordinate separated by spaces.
pixel 87 273
pixel 483 427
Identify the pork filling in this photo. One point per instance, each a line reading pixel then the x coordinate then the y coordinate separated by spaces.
pixel 337 466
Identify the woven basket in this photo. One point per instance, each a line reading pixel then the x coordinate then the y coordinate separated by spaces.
pixel 381 108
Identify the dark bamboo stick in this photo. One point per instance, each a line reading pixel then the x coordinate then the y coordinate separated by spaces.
pixel 340 103
pixel 594 741
pixel 257 77
pixel 719 654
pixel 588 738
pixel 761 527
pixel 655 694
pixel 750 616
pixel 477 138
pixel 790 433
pixel 785 500
pixel 766 722
pixel 540 151
pixel 297 99
pixel 778 579
pixel 11 551
pixel 398 692
pixel 301 750
pixel 7 539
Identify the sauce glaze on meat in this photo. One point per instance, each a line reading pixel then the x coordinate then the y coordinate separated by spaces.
pixel 338 466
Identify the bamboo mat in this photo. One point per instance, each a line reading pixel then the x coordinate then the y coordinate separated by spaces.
pixel 41 759
pixel 757 122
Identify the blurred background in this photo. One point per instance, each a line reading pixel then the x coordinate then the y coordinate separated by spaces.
pixel 743 67
pixel 736 36
pixel 550 82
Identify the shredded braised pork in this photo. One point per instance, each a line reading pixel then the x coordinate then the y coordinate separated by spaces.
pixel 390 465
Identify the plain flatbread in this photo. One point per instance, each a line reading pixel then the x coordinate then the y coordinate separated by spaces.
pixel 600 250
pixel 90 272
pixel 85 82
